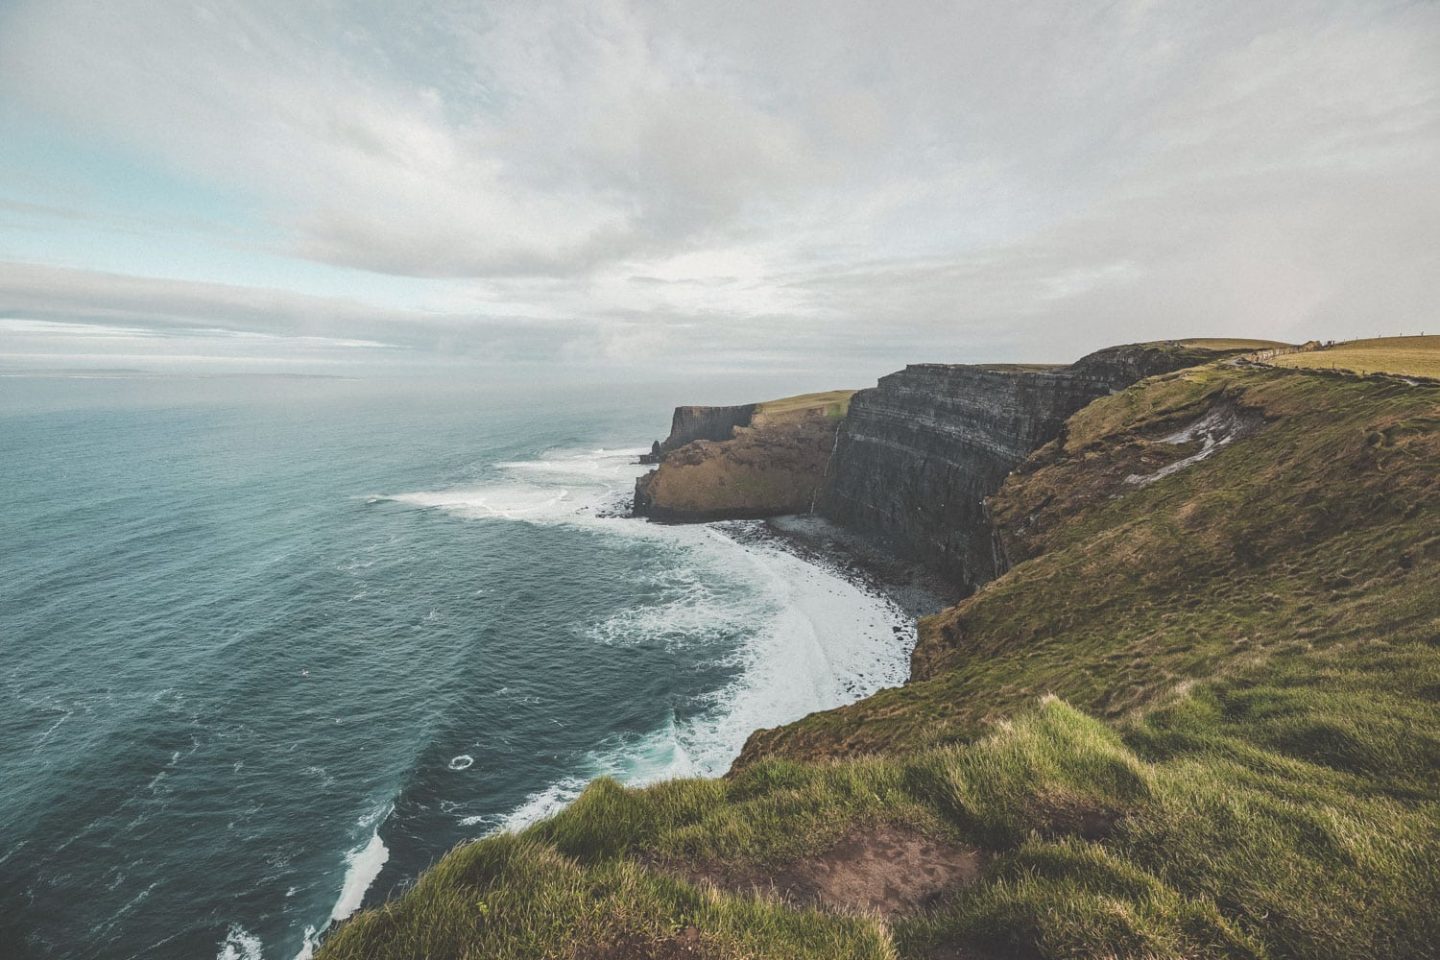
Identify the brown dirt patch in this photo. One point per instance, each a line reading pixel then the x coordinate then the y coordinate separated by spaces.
pixel 685 945
pixel 881 869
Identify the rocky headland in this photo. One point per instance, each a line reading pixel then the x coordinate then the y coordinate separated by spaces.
pixel 743 462
pixel 908 463
pixel 690 423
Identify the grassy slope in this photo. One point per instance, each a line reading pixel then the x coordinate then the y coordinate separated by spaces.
pixel 1405 356
pixel 1244 762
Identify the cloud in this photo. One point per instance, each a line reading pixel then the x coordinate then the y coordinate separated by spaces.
pixel 776 181
pixel 65 306
pixel 49 312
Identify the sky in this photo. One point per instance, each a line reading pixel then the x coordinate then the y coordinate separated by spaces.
pixel 701 188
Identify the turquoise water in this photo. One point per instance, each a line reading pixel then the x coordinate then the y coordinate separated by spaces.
pixel 271 647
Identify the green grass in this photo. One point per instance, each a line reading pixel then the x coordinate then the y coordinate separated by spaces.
pixel 834 404
pixel 1401 356
pixel 1207 830
pixel 1226 344
pixel 517 897
pixel 1196 719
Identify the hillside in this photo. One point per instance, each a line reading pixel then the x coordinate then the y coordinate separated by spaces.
pixel 1195 716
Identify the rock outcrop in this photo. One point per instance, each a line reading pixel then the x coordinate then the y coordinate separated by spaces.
pixel 772 464
pixel 762 472
pixel 920 452
pixel 690 424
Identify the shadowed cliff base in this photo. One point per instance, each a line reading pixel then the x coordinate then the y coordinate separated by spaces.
pixel 914 587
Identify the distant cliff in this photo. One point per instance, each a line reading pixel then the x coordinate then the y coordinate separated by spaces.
pixel 908 463
pixel 700 423
pixel 920 452
pixel 774 463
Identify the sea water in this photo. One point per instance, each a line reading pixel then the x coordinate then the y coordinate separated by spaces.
pixel 270 647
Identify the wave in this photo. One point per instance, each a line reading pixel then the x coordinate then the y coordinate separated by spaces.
pixel 565 486
pixel 634 761
pixel 362 865
pixel 798 636
pixel 812 640
pixel 239 944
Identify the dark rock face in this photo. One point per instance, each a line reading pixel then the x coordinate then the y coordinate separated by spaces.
pixel 921 451
pixel 700 423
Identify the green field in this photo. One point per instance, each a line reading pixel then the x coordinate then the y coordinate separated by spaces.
pixel 1402 356
pixel 1198 718
pixel 833 403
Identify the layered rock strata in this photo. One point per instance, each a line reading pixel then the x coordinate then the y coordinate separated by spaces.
pixel 919 452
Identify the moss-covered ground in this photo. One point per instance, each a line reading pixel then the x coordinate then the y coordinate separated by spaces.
pixel 1198 717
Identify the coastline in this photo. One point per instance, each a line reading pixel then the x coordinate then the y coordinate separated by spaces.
pixel 807 654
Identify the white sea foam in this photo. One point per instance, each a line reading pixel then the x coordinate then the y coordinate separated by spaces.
pixel 312 940
pixel 239 944
pixel 462 762
pixel 362 867
pixel 809 639
pixel 560 487
pixel 827 642
pixel 544 803
pixel 694 613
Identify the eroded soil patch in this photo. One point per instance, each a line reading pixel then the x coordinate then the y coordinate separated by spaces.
pixel 881 869
pixel 685 945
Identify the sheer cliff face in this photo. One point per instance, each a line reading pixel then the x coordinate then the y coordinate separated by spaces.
pixel 921 451
pixel 703 423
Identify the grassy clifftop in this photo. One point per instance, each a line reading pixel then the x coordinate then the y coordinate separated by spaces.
pixel 1198 717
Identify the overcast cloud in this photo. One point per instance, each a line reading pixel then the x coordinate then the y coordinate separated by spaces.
pixel 654 184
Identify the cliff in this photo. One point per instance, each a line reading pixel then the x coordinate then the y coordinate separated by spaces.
pixel 921 451
pixel 772 464
pixel 1196 718
pixel 689 424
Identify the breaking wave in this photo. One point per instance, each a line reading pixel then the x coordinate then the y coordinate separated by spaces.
pixel 809 638
pixel 566 486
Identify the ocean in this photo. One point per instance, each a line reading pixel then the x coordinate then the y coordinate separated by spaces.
pixel 269 647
